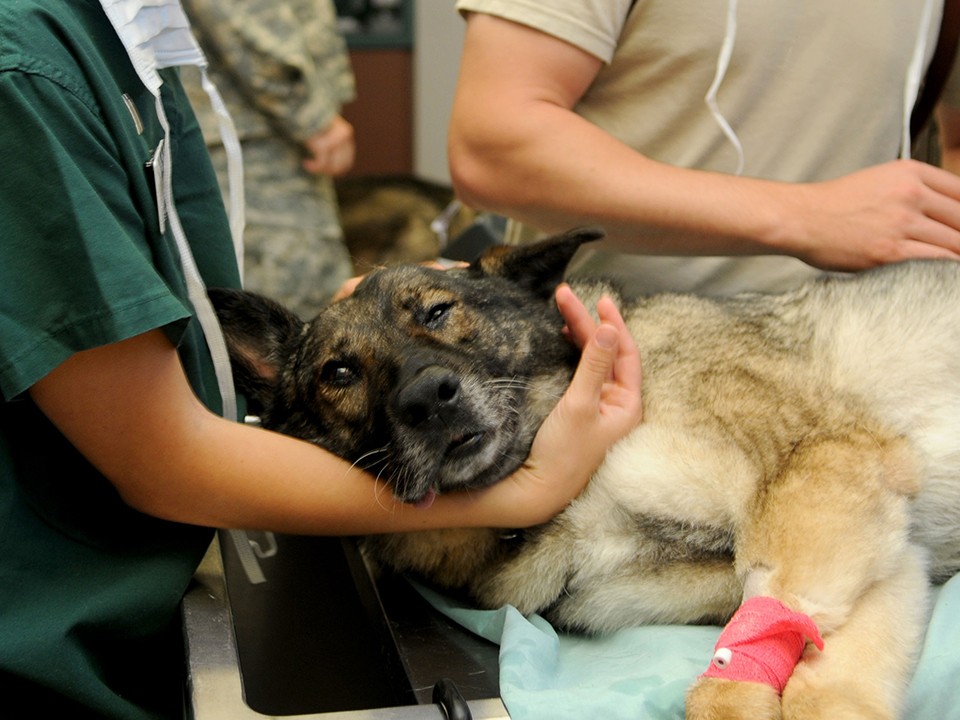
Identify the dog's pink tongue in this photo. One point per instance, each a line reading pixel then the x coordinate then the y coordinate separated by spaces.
pixel 426 501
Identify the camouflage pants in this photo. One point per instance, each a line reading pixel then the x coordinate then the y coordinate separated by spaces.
pixel 293 242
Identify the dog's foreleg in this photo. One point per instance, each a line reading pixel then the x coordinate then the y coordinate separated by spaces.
pixel 866 663
pixel 828 539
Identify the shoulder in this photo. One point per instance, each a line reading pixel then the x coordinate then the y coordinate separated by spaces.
pixel 592 27
pixel 34 29
pixel 71 45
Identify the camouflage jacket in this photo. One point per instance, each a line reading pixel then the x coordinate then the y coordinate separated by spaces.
pixel 282 68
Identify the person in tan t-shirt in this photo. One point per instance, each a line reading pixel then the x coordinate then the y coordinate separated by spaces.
pixel 763 138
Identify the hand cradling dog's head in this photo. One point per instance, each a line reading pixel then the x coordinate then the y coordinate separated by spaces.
pixel 434 380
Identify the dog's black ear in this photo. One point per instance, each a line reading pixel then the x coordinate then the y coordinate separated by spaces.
pixel 538 266
pixel 258 332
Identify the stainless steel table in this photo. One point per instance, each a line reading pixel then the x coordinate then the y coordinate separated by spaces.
pixel 324 639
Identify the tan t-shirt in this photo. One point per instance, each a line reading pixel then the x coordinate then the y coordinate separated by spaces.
pixel 814 90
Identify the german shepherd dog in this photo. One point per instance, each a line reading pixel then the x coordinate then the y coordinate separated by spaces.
pixel 803 446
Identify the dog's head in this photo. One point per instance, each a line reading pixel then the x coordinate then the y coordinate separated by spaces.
pixel 435 380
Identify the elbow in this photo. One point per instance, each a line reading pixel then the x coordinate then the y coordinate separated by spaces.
pixel 482 171
pixel 186 509
pixel 469 174
pixel 145 498
pixel 171 481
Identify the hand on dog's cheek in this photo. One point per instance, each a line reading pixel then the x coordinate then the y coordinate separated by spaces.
pixel 602 404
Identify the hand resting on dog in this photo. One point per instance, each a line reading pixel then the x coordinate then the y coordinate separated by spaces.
pixel 602 404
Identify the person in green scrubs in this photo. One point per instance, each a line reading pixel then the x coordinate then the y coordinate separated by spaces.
pixel 115 463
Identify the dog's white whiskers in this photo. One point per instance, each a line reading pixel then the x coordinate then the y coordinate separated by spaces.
pixel 515 383
pixel 509 383
pixel 380 485
pixel 377 451
pixel 379 488
pixel 402 479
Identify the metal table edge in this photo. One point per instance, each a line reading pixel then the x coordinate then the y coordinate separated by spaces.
pixel 214 684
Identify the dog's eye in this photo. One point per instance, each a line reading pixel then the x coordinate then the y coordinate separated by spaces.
pixel 433 316
pixel 338 373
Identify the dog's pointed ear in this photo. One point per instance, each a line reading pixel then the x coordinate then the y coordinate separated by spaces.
pixel 258 332
pixel 538 266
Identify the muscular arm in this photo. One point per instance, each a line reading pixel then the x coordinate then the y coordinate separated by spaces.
pixel 517 148
pixel 129 409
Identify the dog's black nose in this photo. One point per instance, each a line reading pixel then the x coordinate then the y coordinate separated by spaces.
pixel 434 392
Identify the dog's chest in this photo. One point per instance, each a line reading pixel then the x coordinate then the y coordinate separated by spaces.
pixel 611 530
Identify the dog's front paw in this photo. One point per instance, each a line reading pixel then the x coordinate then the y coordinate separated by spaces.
pixel 717 699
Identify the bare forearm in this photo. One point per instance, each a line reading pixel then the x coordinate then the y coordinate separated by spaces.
pixel 643 205
pixel 538 161
pixel 247 477
pixel 129 410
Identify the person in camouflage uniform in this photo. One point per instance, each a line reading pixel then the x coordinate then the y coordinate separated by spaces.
pixel 284 73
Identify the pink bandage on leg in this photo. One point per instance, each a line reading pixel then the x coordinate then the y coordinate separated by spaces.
pixel 763 643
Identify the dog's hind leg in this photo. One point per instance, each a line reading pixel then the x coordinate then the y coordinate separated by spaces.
pixel 827 541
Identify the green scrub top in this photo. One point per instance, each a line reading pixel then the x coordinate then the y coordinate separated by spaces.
pixel 90 588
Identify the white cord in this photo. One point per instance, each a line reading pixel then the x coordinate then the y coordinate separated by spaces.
pixel 723 62
pixel 231 145
pixel 213 333
pixel 196 290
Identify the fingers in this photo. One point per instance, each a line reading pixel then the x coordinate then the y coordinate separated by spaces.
pixel 601 405
pixel 608 312
pixel 334 162
pixel 609 377
pixel 939 205
pixel 444 264
pixel 941 229
pixel 942 181
pixel 627 367
pixel 579 323
pixel 581 326
pixel 887 213
pixel 347 288
pixel 331 151
pixel 597 363
pixel 350 285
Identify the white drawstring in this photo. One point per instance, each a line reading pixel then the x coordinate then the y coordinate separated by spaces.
pixel 231 145
pixel 723 62
pixel 196 290
pixel 913 80
pixel 209 324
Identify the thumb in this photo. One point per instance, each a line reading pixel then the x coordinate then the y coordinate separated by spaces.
pixel 596 366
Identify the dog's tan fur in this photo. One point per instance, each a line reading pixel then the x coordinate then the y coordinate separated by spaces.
pixel 804 446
